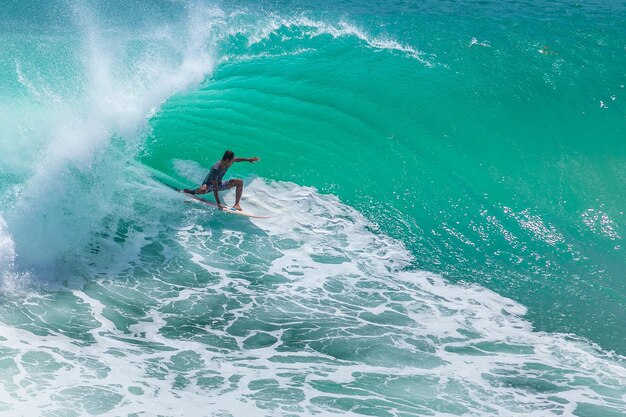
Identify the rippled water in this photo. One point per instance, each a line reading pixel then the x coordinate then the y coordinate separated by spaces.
pixel 445 184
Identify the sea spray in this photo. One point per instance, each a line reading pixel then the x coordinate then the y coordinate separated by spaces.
pixel 11 281
pixel 93 139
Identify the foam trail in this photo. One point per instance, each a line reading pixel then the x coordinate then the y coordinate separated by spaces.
pixel 309 312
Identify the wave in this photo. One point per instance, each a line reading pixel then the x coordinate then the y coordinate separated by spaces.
pixel 100 120
pixel 142 301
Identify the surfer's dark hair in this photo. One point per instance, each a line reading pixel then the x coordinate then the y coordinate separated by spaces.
pixel 228 155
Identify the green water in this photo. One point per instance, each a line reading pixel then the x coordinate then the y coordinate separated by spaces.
pixel 493 162
pixel 445 182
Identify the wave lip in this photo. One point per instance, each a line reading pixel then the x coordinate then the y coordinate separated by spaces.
pixel 315 28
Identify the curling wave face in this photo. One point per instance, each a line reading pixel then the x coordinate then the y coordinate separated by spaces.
pixel 429 149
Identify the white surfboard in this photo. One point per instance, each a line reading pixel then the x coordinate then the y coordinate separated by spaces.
pixel 225 209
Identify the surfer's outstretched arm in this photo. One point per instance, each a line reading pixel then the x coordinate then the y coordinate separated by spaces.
pixel 253 159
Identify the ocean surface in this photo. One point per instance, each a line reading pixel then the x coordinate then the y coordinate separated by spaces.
pixel 447 185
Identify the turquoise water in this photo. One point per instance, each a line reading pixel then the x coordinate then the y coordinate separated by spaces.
pixel 446 184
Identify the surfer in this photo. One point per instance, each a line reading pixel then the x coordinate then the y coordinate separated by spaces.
pixel 213 181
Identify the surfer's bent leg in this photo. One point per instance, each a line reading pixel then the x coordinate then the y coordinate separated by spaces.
pixel 239 184
pixel 202 190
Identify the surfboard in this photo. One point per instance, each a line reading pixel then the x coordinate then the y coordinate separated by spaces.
pixel 225 209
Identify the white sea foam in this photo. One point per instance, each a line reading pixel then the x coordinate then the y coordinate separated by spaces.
pixel 315 28
pixel 252 57
pixel 308 312
pixel 7 251
pixel 475 41
pixel 10 280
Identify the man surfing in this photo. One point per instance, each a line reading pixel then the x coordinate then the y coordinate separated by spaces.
pixel 213 181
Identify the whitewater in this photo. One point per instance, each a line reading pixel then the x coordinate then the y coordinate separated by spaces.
pixel 439 245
